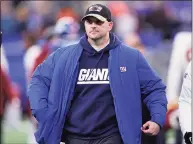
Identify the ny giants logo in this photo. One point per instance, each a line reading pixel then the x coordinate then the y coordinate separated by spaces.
pixel 123 69
pixel 95 8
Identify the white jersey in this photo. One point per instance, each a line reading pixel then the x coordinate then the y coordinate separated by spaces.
pixel 185 102
pixel 29 59
pixel 180 57
pixel 4 62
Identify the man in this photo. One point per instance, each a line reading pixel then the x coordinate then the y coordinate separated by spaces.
pixel 185 106
pixel 33 50
pixel 64 33
pixel 66 30
pixel 180 57
pixel 93 91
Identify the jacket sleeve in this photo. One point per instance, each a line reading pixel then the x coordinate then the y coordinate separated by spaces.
pixel 152 91
pixel 185 102
pixel 40 84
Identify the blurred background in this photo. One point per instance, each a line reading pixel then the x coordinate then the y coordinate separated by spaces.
pixel 31 30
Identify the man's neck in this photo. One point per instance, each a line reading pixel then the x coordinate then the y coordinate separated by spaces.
pixel 99 43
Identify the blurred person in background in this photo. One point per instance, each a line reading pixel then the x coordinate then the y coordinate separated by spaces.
pixel 160 18
pixel 63 33
pixel 58 96
pixel 180 57
pixel 125 18
pixel 9 96
pixel 68 12
pixel 40 16
pixel 4 61
pixel 185 106
pixel 8 20
pixel 133 40
pixel 22 14
pixel 47 47
pixel 66 29
pixel 33 50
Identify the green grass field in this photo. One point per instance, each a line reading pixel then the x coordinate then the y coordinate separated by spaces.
pixel 13 136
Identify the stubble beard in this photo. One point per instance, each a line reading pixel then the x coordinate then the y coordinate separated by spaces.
pixel 97 38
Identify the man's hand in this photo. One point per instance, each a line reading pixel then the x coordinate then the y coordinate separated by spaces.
pixel 151 128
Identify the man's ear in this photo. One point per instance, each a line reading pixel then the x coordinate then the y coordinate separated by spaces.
pixel 110 26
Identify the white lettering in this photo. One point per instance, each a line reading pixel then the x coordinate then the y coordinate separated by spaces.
pixel 100 74
pixel 82 75
pixel 93 76
pixel 106 74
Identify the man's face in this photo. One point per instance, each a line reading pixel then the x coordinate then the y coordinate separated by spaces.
pixel 96 29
